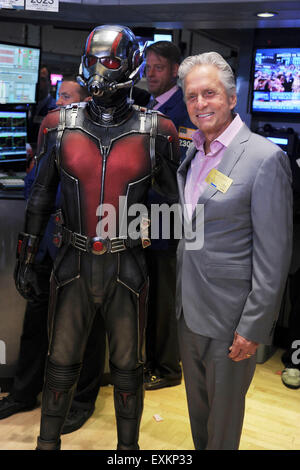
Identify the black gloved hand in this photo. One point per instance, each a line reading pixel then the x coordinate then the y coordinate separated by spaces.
pixel 26 280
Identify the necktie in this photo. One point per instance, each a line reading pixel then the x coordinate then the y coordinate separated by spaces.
pixel 152 103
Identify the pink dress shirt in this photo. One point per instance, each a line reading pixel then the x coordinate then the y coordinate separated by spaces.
pixel 162 99
pixel 201 164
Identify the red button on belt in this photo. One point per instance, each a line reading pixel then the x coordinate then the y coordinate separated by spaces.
pixel 98 246
pixel 56 241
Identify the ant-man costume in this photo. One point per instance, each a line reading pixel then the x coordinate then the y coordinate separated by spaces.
pixel 98 151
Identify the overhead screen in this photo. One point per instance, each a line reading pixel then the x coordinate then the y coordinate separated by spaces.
pixel 19 72
pixel 156 37
pixel 276 81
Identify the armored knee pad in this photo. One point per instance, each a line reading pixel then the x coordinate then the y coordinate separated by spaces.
pixel 58 391
pixel 128 399
pixel 60 382
pixel 128 386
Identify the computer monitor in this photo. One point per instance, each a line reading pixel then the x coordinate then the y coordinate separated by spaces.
pixel 276 81
pixel 155 38
pixel 19 73
pixel 162 37
pixel 287 142
pixel 13 138
pixel 58 85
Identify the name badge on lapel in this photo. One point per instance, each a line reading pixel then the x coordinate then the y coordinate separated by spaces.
pixel 218 180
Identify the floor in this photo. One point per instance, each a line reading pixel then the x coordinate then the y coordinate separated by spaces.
pixel 272 419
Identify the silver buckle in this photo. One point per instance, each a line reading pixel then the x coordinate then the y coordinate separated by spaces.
pixel 117 244
pixel 79 241
pixel 98 246
pixel 74 113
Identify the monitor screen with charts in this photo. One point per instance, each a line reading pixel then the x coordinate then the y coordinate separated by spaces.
pixel 13 138
pixel 19 73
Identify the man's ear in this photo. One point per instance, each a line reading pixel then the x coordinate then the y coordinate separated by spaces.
pixel 233 101
pixel 175 70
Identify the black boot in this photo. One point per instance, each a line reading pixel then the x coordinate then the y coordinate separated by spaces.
pixel 47 445
pixel 129 400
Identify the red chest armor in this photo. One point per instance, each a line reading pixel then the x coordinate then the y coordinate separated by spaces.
pixel 97 164
pixel 103 173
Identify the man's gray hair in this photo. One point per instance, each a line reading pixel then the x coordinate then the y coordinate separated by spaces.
pixel 210 58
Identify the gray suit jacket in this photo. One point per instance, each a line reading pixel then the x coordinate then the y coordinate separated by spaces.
pixel 236 280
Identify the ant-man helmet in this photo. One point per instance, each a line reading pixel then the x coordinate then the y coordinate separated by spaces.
pixel 111 60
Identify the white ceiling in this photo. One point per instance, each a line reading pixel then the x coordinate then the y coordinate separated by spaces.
pixel 189 14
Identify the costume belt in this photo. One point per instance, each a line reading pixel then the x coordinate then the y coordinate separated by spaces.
pixel 95 245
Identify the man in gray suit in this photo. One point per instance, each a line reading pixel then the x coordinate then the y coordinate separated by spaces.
pixel 229 288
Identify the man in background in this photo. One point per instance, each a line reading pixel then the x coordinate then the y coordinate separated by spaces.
pixel 162 352
pixel 162 62
pixel 71 92
pixel 45 103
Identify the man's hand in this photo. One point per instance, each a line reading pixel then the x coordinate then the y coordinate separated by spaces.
pixel 241 348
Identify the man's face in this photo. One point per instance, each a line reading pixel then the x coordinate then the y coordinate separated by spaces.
pixel 69 92
pixel 207 102
pixel 44 85
pixel 160 74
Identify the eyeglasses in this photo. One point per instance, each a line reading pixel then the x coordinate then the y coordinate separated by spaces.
pixel 108 62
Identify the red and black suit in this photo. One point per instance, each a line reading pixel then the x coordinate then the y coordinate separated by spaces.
pixel 96 160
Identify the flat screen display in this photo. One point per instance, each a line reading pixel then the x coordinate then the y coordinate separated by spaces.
pixel 276 81
pixel 13 136
pixel 155 38
pixel 19 73
pixel 287 142
pixel 58 85
pixel 280 141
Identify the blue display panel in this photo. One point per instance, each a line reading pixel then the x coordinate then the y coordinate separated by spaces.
pixel 276 81
pixel 13 136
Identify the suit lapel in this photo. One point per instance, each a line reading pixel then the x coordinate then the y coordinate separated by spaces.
pixel 235 150
pixel 182 171
pixel 231 156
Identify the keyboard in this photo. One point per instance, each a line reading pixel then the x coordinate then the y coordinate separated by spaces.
pixel 11 183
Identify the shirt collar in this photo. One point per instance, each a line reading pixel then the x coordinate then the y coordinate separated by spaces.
pixel 162 99
pixel 225 138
